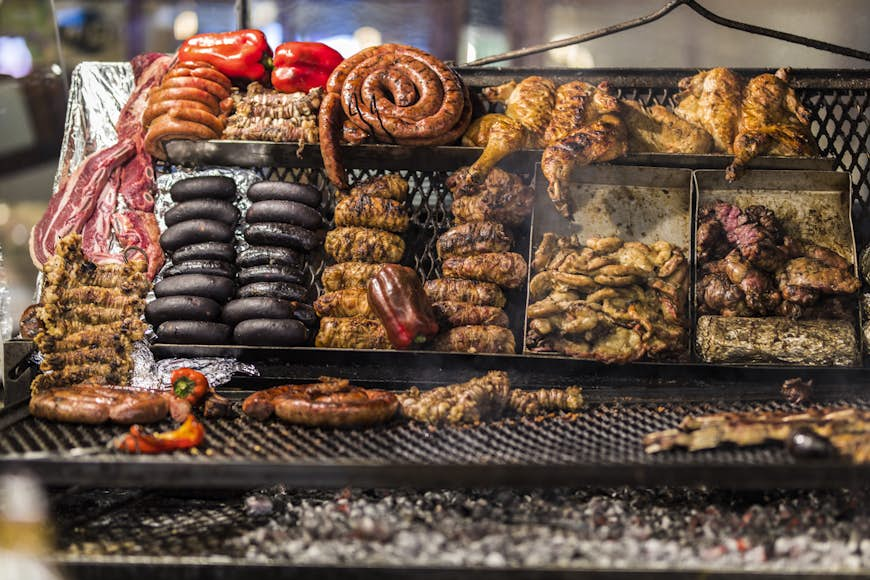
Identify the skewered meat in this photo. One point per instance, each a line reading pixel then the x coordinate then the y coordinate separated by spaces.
pixel 390 186
pixel 354 333
pixel 500 136
pixel 372 212
pixel 364 245
pixel 545 400
pixel 267 115
pixel 602 140
pixel 479 399
pixel 480 339
pixel 772 121
pixel 261 405
pixel 344 303
pixel 473 238
pixel 481 293
pixel 507 269
pixel 335 405
pixel 348 275
pixel 502 197
pixel 530 102
pixel 712 99
pixel 90 403
pixel 451 313
pixel 847 429
pixel 657 130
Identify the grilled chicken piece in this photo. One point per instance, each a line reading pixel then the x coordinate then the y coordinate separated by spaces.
pixel 502 197
pixel 602 140
pixel 460 290
pixel 473 238
pixel 344 303
pixel 353 244
pixel 712 99
pixel 500 136
pixel 452 313
pixel 530 102
pixel 348 275
pixel 507 269
pixel 355 332
pixel 772 122
pixel 657 130
pixel 480 339
pixel 578 104
pixel 390 186
pixel 372 212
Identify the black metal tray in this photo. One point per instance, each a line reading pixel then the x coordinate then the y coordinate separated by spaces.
pixel 600 446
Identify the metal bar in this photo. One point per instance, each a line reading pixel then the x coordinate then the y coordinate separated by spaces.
pixel 664 10
pixel 242 14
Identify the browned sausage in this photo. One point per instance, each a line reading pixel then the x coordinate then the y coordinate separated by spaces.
pixel 157 108
pixel 348 407
pixel 202 84
pixel 139 407
pixel 198 116
pixel 330 120
pixel 185 94
pixel 261 404
pixel 165 128
pixel 200 70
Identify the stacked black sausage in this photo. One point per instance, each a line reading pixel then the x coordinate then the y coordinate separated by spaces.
pixel 199 239
pixel 282 227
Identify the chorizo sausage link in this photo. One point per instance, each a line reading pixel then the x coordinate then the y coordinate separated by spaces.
pixel 155 109
pixel 183 82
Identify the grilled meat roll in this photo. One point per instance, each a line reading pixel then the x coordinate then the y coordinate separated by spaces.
pixel 355 332
pixel 502 197
pixel 482 339
pixel 372 212
pixel 347 275
pixel 364 245
pixel 391 186
pixel 344 303
pixel 473 238
pixel 451 313
pixel 506 269
pixel 481 293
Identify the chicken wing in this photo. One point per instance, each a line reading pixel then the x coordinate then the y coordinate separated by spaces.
pixel 507 269
pixel 712 99
pixel 353 244
pixel 372 212
pixel 657 130
pixel 772 122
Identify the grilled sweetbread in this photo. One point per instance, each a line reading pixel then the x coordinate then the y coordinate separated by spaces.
pixel 348 275
pixel 355 244
pixel 344 303
pixel 451 313
pixel 391 186
pixel 507 269
pixel 473 238
pixel 372 212
pixel 354 332
pixel 481 339
pixel 460 290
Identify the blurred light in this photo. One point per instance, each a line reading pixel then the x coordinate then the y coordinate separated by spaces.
pixel 19 234
pixel 573 56
pixel 186 24
pixel 264 13
pixel 55 68
pixel 15 58
pixel 367 36
pixel 274 33
pixel 5 211
pixel 470 52
pixel 345 45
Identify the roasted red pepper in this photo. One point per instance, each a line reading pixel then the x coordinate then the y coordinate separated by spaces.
pixel 190 434
pixel 397 297
pixel 301 66
pixel 242 54
pixel 189 385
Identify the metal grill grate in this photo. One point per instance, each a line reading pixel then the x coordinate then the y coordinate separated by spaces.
pixel 603 435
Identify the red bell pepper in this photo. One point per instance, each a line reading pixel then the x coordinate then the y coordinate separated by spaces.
pixel 396 295
pixel 189 385
pixel 190 434
pixel 242 54
pixel 301 66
